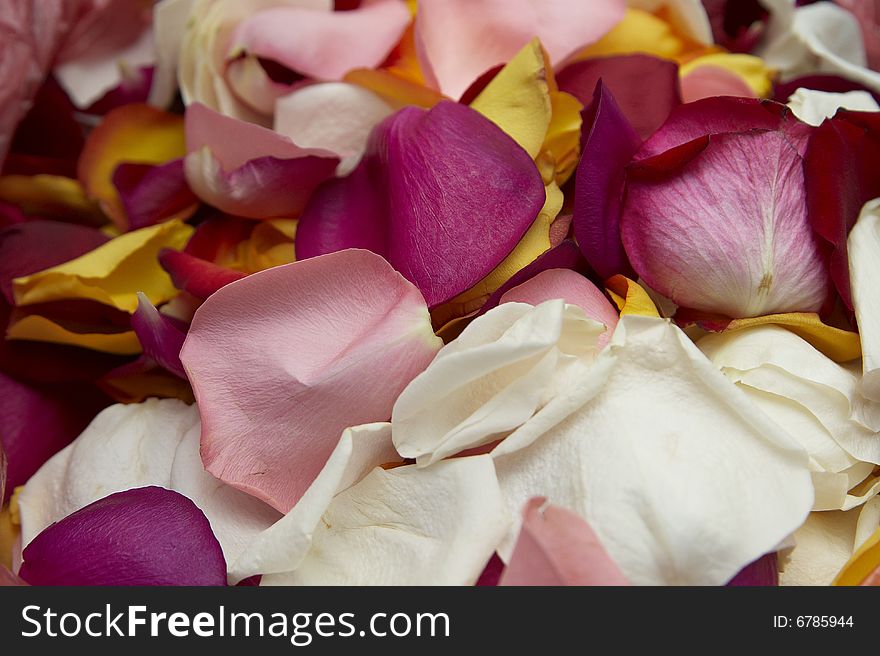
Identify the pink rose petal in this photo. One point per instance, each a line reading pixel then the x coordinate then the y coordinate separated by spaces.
pixel 574 289
pixel 557 547
pixel 609 144
pixel 725 229
pixel 284 360
pixel 247 170
pixel 645 88
pixel 459 40
pixel 762 572
pixel 444 195
pixel 323 45
pixel 145 536
pixel 711 81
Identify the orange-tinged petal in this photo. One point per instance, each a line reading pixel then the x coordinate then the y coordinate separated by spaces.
pixel 111 274
pixel 37 328
pixel 630 297
pixel 643 32
pixel 563 141
pixel 863 564
pixel 9 532
pixel 270 245
pixel 50 195
pixel 132 133
pixel 398 91
pixel 749 69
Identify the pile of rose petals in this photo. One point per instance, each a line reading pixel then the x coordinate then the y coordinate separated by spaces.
pixel 440 292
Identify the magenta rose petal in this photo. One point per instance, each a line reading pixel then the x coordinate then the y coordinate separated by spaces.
pixel 195 275
pixel 150 193
pixel 33 246
pixel 727 232
pixel 712 116
pixel 286 359
pixel 39 421
pixel 558 547
pixel 145 536
pixel 762 572
pixel 443 195
pixel 646 88
pixel 609 145
pixel 841 166
pixel 4 466
pixel 161 337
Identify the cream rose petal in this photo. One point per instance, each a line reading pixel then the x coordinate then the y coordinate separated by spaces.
pixel 662 455
pixel 491 379
pixel 813 107
pixel 282 547
pixel 864 253
pixel 139 445
pixel 407 526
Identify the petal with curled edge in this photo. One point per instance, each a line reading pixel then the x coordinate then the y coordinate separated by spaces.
pixel 137 445
pixel 445 195
pixel 285 359
pixel 660 487
pixel 864 250
pixel 557 547
pixel 111 274
pixel 726 229
pixel 492 378
pixel 495 32
pixel 247 170
pixel 407 526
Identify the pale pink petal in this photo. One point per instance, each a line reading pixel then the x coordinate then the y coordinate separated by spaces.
pixel 323 45
pixel 459 40
pixel 574 289
pixel 283 361
pixel 558 547
pixel 710 81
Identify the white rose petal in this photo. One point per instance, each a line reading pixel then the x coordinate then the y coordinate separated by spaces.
pixel 813 107
pixel 864 254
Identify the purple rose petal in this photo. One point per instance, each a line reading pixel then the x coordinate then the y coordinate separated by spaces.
pixel 151 194
pixel 145 536
pixel 444 195
pixel 762 572
pixel 609 146
pixel 161 337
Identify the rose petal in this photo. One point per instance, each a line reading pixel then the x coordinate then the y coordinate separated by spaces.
pixel 39 421
pixel 864 250
pixel 150 194
pixel 823 545
pixel 763 572
pixel 195 275
pixel 447 545
pixel 392 203
pixel 132 133
pixel 160 337
pixel 646 88
pixel 839 167
pixel 557 547
pixel 574 289
pixel 609 145
pixel 321 352
pixel 496 31
pixel 491 379
pixel 813 107
pixel 616 448
pixel 323 45
pixel 111 274
pixel 334 116
pixel 709 81
pixel 146 536
pixel 30 247
pixel 728 232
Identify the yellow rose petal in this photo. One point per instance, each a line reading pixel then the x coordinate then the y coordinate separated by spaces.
pixel 751 70
pixel 37 328
pixel 50 195
pixel 111 274
pixel 864 561
pixel 640 32
pixel 839 345
pixel 630 297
